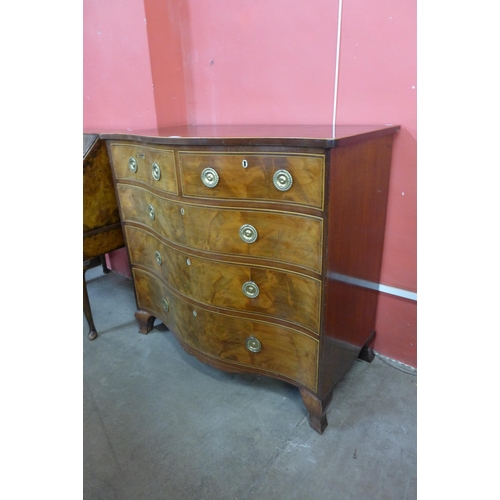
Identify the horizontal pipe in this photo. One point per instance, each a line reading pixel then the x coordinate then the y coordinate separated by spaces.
pixel 379 287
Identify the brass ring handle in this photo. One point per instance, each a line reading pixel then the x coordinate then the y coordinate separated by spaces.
pixel 132 164
pixel 164 303
pixel 248 233
pixel 155 169
pixel 210 177
pixel 282 180
pixel 158 257
pixel 151 211
pixel 253 344
pixel 250 289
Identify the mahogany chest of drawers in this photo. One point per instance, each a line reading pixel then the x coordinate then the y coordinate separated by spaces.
pixel 248 243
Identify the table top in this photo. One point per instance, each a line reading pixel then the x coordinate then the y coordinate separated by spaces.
pixel 255 135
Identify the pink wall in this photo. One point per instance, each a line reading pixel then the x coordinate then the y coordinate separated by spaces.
pixel 117 82
pixel 220 61
pixel 122 52
pixel 166 31
pixel 377 84
pixel 261 62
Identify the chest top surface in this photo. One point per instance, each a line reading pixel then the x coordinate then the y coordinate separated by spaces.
pixel 323 136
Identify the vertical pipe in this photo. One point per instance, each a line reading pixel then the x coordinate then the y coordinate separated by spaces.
pixel 337 60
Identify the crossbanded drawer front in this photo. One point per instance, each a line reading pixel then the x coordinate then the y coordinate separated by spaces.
pixel 285 178
pixel 273 293
pixel 271 235
pixel 252 344
pixel 154 167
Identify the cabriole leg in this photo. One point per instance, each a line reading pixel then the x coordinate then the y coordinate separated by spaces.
pixel 86 309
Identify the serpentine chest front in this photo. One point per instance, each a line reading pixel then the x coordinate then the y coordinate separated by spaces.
pixel 243 250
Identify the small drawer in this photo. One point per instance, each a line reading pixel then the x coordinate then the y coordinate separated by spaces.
pixel 260 290
pixel 264 234
pixel 233 340
pixel 286 178
pixel 154 167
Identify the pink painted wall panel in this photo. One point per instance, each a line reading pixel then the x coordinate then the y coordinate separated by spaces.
pixel 166 22
pixel 396 328
pixel 377 84
pixel 261 62
pixel 117 82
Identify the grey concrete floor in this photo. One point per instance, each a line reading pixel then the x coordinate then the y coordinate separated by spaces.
pixel 158 424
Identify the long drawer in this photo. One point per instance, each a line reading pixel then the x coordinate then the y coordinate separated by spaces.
pixel 262 290
pixel 287 178
pixel 272 235
pixel 281 351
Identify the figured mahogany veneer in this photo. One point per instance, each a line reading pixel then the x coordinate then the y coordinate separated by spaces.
pixel 145 160
pixel 285 295
pixel 216 229
pixel 102 231
pixel 222 336
pixel 255 183
pixel 247 243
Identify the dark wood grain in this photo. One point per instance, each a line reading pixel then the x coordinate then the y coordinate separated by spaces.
pixel 359 189
pixel 327 230
pixel 102 231
pixel 358 193
pixel 255 181
pixel 284 351
pixel 313 136
pixel 145 158
pixel 282 237
pixel 101 219
pixel 286 295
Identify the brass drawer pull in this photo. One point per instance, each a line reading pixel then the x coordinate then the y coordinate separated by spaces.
pixel 210 177
pixel 164 303
pixel 155 169
pixel 253 344
pixel 151 211
pixel 282 180
pixel 248 233
pixel 250 289
pixel 132 164
pixel 158 257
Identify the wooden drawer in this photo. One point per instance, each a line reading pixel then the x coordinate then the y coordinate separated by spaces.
pixel 281 236
pixel 249 176
pixel 145 157
pixel 284 351
pixel 289 296
pixel 102 231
